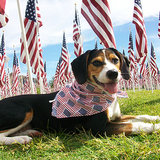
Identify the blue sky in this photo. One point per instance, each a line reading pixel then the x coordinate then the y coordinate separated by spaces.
pixel 57 16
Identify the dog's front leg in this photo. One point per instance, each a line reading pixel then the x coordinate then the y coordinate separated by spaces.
pixel 130 128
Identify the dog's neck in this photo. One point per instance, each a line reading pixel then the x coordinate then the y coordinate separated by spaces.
pixel 80 100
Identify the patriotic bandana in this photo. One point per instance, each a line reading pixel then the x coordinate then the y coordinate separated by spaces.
pixel 80 100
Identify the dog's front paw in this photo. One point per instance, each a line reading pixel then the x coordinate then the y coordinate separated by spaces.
pixel 22 139
pixel 15 140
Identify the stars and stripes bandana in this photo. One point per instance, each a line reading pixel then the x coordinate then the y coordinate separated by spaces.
pixel 80 100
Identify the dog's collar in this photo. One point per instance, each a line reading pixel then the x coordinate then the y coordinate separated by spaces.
pixel 80 100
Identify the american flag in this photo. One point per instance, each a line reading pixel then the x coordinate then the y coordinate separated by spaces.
pixel 64 64
pixel 78 46
pixel 15 73
pixel 141 37
pixel 148 75
pixel 97 13
pixel 40 57
pixel 159 26
pixel 2 62
pixel 153 64
pixel 3 17
pixel 39 71
pixel 30 24
pixel 131 53
pixel 56 85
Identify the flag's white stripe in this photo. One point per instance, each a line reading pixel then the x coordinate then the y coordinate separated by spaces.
pixel 103 33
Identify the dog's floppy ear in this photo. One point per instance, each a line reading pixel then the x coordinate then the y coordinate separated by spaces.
pixel 125 68
pixel 119 55
pixel 124 64
pixel 79 67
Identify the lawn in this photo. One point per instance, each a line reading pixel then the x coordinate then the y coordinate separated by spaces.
pixel 85 146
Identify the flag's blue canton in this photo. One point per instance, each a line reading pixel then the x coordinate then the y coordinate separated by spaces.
pixel 97 107
pixel 152 51
pixel 60 61
pixel 71 103
pixel 138 2
pixel 72 94
pixel 77 18
pixel 82 111
pixel 30 10
pixel 123 52
pixel 90 88
pixel 131 41
pixel 2 45
pixel 64 41
pixel 15 60
pixel 67 113
pixel 96 99
pixel 44 66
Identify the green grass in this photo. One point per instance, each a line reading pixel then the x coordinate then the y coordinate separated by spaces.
pixel 85 146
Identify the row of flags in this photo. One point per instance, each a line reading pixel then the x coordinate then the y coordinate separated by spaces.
pixel 14 83
pixel 32 23
pixel 97 14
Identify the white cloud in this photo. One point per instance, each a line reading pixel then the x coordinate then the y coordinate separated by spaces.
pixel 57 16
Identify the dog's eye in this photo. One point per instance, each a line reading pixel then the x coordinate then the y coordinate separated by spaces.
pixel 97 63
pixel 114 60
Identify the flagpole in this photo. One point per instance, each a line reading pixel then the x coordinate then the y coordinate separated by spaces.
pixel 25 47
pixel 150 72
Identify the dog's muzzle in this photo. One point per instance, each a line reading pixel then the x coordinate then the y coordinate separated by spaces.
pixel 112 74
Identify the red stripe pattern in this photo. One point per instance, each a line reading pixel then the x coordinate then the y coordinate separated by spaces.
pixel 80 100
pixel 131 53
pixel 153 64
pixel 97 13
pixel 31 31
pixel 77 38
pixel 62 70
pixel 56 86
pixel 15 73
pixel 2 61
pixel 64 65
pixel 141 37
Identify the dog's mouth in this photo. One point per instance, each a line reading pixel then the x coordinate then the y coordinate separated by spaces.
pixel 109 87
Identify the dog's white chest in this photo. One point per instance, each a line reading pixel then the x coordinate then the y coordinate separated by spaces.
pixel 114 110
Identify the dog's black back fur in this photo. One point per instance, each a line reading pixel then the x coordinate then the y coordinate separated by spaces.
pixel 42 120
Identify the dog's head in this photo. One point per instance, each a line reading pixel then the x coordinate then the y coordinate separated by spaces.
pixel 102 67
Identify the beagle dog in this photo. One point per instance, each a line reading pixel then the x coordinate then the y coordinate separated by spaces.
pixel 25 116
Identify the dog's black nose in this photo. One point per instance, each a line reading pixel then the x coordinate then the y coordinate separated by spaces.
pixel 112 74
